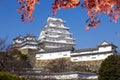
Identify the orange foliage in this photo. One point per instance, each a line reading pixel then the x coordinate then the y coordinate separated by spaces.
pixel 98 7
pixel 26 9
pixel 93 8
pixel 64 4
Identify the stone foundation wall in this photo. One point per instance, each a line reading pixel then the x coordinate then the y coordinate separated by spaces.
pixel 85 66
pixel 24 51
pixel 30 54
pixel 89 66
pixel 40 63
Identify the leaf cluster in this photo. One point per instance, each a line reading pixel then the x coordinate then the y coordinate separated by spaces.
pixel 93 8
pixel 8 76
pixel 110 68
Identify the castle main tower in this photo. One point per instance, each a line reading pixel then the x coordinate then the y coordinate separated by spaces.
pixel 55 34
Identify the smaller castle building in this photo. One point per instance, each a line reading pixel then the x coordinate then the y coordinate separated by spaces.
pixel 25 43
pixel 29 41
pixel 101 52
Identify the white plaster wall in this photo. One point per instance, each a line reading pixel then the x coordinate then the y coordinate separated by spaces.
pixel 100 49
pixel 29 47
pixel 69 76
pixel 18 41
pixel 107 48
pixel 32 42
pixel 28 38
pixel 54 55
pixel 90 57
pixel 87 52
pixel 51 24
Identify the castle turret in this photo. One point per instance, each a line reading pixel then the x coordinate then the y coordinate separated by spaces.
pixel 17 42
pixel 27 42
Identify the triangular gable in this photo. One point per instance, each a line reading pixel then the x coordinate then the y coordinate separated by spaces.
pixel 105 43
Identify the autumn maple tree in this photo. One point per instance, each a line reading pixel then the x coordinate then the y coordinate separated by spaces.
pixel 93 8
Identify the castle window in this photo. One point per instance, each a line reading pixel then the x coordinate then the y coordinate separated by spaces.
pixel 50 54
pixel 59 54
pixel 64 54
pixel 93 57
pixel 39 56
pixel 53 44
pixel 75 59
pixel 98 55
pixel 105 54
pixel 63 45
pixel 88 56
pixel 59 45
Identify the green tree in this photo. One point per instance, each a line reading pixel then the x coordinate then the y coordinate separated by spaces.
pixel 110 68
pixel 8 76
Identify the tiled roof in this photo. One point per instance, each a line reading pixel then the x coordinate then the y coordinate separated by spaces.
pixel 84 50
pixel 58 42
pixel 91 53
pixel 107 45
pixel 18 37
pixel 56 50
pixel 30 35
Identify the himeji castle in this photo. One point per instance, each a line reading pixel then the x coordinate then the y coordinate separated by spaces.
pixel 55 41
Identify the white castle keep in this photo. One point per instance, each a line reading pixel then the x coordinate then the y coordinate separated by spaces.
pixel 55 34
pixel 55 41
